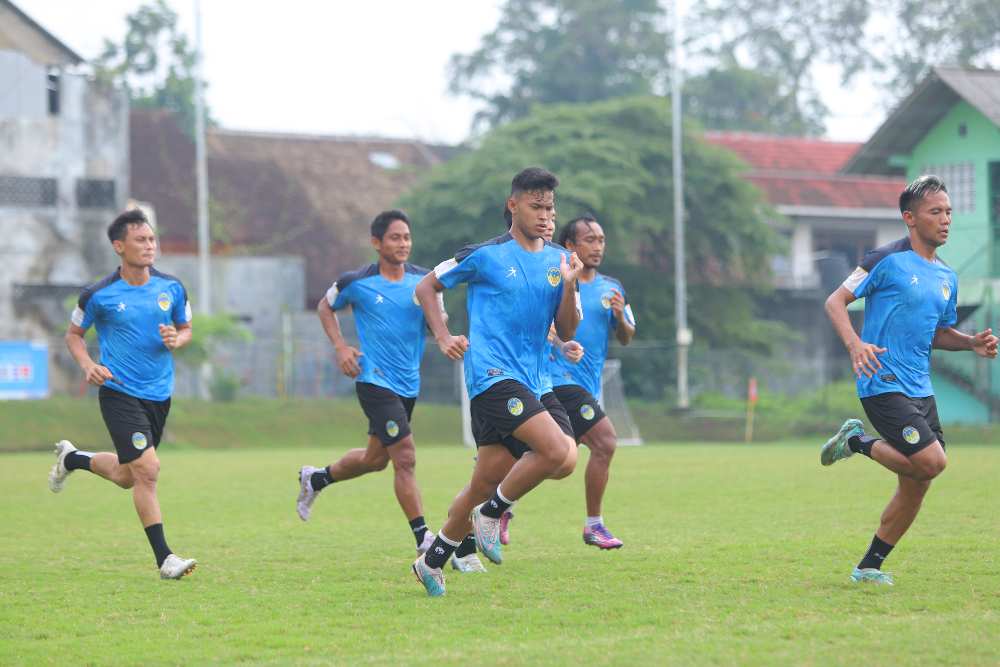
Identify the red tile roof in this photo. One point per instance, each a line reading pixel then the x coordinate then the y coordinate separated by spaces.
pixel 797 171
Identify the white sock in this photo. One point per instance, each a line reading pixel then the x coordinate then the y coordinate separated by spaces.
pixel 594 520
pixel 504 498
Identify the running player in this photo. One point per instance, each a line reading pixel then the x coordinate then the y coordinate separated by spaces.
pixel 517 284
pixel 910 308
pixel 141 316
pixel 390 328
pixel 577 385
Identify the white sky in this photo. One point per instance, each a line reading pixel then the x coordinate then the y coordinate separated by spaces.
pixel 336 67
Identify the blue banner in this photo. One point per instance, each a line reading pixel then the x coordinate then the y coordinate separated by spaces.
pixel 24 370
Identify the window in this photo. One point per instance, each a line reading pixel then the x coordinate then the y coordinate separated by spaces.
pixel 53 87
pixel 960 179
pixel 95 193
pixel 26 191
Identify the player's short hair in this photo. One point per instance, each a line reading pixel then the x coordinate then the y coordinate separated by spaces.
pixel 533 179
pixel 507 216
pixel 572 228
pixel 118 229
pixel 914 193
pixel 386 218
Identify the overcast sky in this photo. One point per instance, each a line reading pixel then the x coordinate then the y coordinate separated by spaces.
pixel 370 68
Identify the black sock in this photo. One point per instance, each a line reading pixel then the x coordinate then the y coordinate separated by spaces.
pixel 321 479
pixel 468 546
pixel 495 506
pixel 419 528
pixel 877 553
pixel 154 534
pixel 439 553
pixel 862 444
pixel 78 460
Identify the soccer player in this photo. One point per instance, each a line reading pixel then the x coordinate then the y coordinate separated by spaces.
pixel 910 298
pixel 577 385
pixel 517 285
pixel 390 328
pixel 141 316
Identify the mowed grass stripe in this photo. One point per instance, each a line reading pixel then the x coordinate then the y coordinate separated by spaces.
pixel 733 555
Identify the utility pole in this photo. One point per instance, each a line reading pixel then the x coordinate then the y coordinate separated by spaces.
pixel 680 276
pixel 201 170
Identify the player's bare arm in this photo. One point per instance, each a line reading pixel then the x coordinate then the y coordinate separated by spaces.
pixel 625 330
pixel 347 355
pixel 864 356
pixel 427 292
pixel 983 343
pixel 568 316
pixel 175 335
pixel 570 349
pixel 94 372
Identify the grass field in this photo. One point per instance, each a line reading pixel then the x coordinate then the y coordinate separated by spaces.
pixel 733 555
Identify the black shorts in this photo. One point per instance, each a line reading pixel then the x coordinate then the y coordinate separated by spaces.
pixel 498 411
pixel 908 424
pixel 134 423
pixel 518 448
pixel 583 409
pixel 388 413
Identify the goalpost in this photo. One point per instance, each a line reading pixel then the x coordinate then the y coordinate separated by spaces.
pixel 612 402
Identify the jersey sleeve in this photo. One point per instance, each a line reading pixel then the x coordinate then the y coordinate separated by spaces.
pixel 84 312
pixel 863 282
pixel 950 315
pixel 627 311
pixel 181 313
pixel 462 268
pixel 338 296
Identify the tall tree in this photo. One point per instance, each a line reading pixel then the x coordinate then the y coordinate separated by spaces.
pixel 154 63
pixel 613 159
pixel 549 51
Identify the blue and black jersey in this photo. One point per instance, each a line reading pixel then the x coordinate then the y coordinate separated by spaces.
pixel 128 319
pixel 907 299
pixel 593 333
pixel 512 300
pixel 390 324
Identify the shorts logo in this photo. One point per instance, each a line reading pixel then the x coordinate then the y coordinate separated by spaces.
pixel 391 428
pixel 946 290
pixel 163 301
pixel 911 435
pixel 515 406
pixel 587 411
pixel 553 275
pixel 606 300
pixel 139 440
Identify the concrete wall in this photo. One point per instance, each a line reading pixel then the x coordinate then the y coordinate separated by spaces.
pixel 47 248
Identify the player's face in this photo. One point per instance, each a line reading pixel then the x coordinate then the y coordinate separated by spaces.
pixel 533 212
pixel 931 218
pixel 589 244
pixel 395 244
pixel 550 231
pixel 138 249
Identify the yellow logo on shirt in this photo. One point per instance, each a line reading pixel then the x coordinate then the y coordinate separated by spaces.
pixel 163 301
pixel 606 300
pixel 554 276
pixel 946 290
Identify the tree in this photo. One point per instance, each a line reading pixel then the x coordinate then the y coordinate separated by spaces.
pixel 735 98
pixel 563 51
pixel 613 159
pixel 154 63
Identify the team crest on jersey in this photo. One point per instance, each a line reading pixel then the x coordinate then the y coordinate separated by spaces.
pixel 163 301
pixel 515 406
pixel 391 428
pixel 946 290
pixel 139 440
pixel 911 435
pixel 587 411
pixel 606 300
pixel 553 276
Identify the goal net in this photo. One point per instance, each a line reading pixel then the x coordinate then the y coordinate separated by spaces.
pixel 612 402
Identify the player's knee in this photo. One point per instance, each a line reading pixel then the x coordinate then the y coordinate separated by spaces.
pixel 146 475
pixel 405 462
pixel 376 463
pixel 124 482
pixel 931 467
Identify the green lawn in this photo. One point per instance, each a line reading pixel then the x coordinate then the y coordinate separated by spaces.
pixel 733 555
